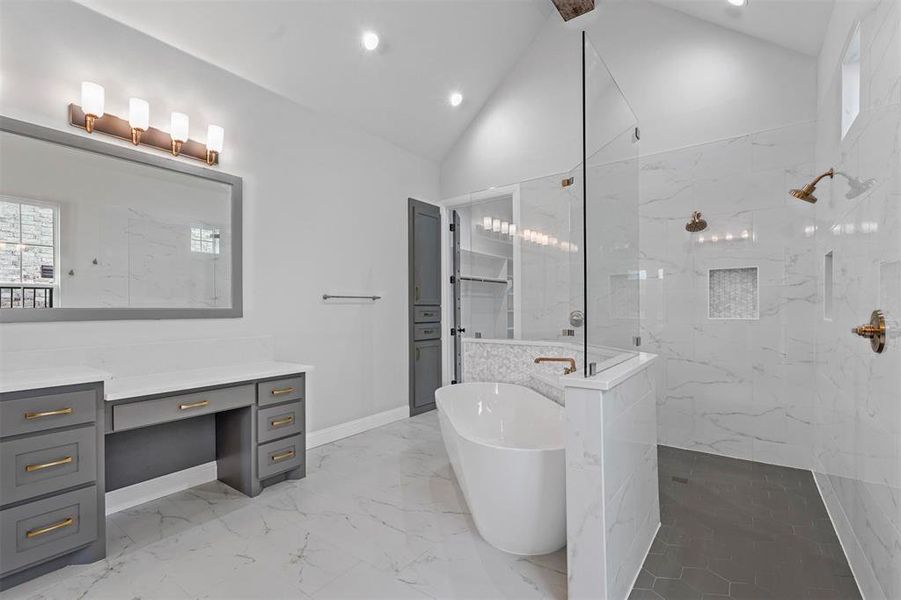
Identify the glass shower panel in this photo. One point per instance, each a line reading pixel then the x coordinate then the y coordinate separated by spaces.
pixel 486 266
pixel 611 217
pixel 547 249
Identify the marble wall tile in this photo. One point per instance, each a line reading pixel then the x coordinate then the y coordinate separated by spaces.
pixel 612 499
pixel 728 386
pixel 857 449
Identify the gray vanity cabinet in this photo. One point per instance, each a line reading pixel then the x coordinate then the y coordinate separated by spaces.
pixel 424 230
pixel 426 374
pixel 425 235
pixel 51 480
pixel 54 471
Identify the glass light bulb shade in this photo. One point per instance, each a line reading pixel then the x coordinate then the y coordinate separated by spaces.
pixel 526 235
pixel 512 228
pixel 215 136
pixel 534 236
pixel 738 2
pixel 496 225
pixel 456 98
pixel 179 127
pixel 486 222
pixel 138 114
pixel 92 98
pixel 505 227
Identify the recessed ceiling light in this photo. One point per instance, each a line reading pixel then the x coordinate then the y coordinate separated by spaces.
pixel 738 2
pixel 456 98
pixel 371 40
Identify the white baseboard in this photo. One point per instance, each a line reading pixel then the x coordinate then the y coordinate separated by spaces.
pixel 139 493
pixel 153 489
pixel 343 430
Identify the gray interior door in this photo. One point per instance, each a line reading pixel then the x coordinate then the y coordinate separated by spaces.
pixel 424 229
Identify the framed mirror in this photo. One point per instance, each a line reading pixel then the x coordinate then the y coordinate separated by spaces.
pixel 96 231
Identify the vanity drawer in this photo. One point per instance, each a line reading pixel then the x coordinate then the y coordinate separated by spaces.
pixel 426 332
pixel 426 314
pixel 280 390
pixel 40 530
pixel 47 463
pixel 280 456
pixel 184 406
pixel 37 413
pixel 279 421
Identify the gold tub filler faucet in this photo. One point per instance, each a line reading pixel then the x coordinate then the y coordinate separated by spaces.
pixel 571 361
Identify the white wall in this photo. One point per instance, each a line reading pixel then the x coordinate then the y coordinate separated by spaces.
pixel 858 418
pixel 687 81
pixel 324 204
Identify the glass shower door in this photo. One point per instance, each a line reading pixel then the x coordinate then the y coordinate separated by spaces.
pixel 610 213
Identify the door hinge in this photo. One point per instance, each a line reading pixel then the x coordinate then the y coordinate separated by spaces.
pixel 453 381
pixel 637 340
pixel 453 279
pixel 453 331
pixel 453 227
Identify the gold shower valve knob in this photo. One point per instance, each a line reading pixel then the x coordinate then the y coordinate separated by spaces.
pixel 873 331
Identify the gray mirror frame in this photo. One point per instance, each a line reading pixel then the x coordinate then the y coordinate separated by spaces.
pixel 82 142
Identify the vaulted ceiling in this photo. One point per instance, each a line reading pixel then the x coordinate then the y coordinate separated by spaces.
pixel 798 25
pixel 311 52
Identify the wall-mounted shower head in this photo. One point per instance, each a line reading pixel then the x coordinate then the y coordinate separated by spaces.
pixel 697 223
pixel 806 193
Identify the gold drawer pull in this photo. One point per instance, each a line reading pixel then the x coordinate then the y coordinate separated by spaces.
pixel 55 463
pixel 283 456
pixel 48 413
pixel 282 422
pixel 283 391
pixel 191 405
pixel 33 533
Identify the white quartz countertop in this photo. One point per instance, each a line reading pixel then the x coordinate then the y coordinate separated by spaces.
pixel 174 381
pixel 120 388
pixel 612 377
pixel 30 379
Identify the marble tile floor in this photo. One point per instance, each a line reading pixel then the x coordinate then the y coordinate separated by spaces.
pixel 379 515
pixel 740 529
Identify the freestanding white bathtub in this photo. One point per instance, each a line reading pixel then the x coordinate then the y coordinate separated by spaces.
pixel 505 443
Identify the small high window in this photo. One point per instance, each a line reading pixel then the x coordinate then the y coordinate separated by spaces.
pixel 851 82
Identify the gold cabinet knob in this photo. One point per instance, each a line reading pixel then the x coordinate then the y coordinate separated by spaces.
pixel 873 331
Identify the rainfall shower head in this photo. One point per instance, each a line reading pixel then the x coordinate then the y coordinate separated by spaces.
pixel 697 223
pixel 806 193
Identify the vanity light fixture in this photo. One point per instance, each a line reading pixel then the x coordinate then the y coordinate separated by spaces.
pixel 215 136
pixel 92 100
pixel 138 118
pixel 136 128
pixel 178 131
